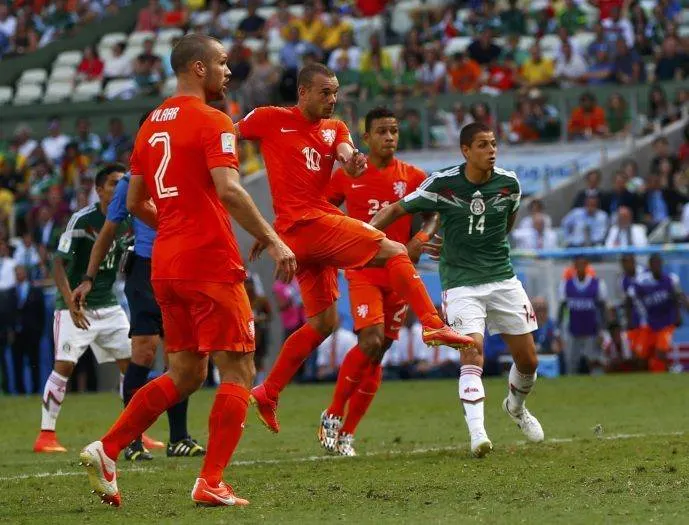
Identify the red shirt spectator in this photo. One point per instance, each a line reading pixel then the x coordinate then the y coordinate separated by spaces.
pixel 177 16
pixel 371 7
pixel 606 7
pixel 151 17
pixel 501 76
pixel 588 118
pixel 91 66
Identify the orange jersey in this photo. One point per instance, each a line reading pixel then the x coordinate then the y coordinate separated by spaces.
pixel 175 149
pixel 299 156
pixel 375 189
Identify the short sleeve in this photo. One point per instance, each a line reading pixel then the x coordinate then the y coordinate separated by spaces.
pixel 135 167
pixel 254 125
pixel 342 135
pixel 516 196
pixel 220 142
pixel 335 191
pixel 425 197
pixel 71 238
pixel 117 209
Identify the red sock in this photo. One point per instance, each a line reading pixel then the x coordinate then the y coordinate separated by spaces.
pixel 225 426
pixel 143 409
pixel 407 284
pixel 354 368
pixel 362 399
pixel 294 352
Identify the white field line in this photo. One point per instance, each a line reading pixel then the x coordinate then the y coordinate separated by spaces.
pixel 309 459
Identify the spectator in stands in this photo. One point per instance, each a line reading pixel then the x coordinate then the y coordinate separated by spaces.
pixel 483 50
pixel 542 117
pixel 512 49
pixel 455 121
pixel 74 164
pixel 624 233
pixel 118 65
pixel 572 17
pixel 147 54
pixel 26 252
pixel 537 71
pixel 601 70
pixel 671 63
pixel 546 336
pixel 7 282
pixel 607 7
pixel 600 42
pixel 586 226
pixel 262 317
pixel 261 84
pixel 660 202
pixel 336 30
pixel 683 154
pixel 281 20
pixel 348 48
pixel 520 130
pixel 377 80
pixel 660 112
pixel 253 25
pixel 24 141
pixel 663 153
pixel 150 17
pixel 570 67
pixel 332 352
pixel 350 83
pixel 620 196
pixel 464 74
pixel 88 142
pixel 8 22
pixel 587 119
pixel 617 115
pixel 311 27
pixel 240 65
pixel 432 74
pixel 47 231
pixel 58 21
pixel 500 76
pixel 294 49
pixel 24 40
pixel 91 66
pixel 618 27
pixel 535 237
pixel 375 51
pixel 411 132
pixel 116 141
pixel 513 20
pixel 593 180
pixel 628 68
pixel 54 144
pixel 177 16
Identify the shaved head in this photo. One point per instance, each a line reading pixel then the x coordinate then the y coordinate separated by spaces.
pixel 192 48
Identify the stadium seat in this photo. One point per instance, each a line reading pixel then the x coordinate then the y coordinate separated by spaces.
pixel 583 40
pixel 254 44
pixel 63 74
pixel 683 31
pixel 394 52
pixel 27 94
pixel 120 88
pixel 133 51
pixel 33 76
pixel 202 18
pixel 234 16
pixel 163 50
pixel 274 57
pixel 170 86
pixel 402 22
pixel 165 36
pixel 5 94
pixel 87 91
pixel 683 17
pixel 57 92
pixel 458 44
pixel 550 45
pixel 137 38
pixel 111 39
pixel 68 58
pixel 275 41
pixel 266 12
pixel 297 10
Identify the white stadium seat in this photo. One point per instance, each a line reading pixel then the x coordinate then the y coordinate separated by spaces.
pixel 526 42
pixel 165 36
pixel 133 51
pixel 137 38
pixel 111 39
pixel 234 16
pixel 87 91
pixel 5 94
pixel 27 94
pixel 254 44
pixel 583 40
pixel 456 45
pixel 57 92
pixel 68 58
pixel 33 76
pixel 550 45
pixel 170 86
pixel 162 50
pixel 63 74
pixel 296 10
pixel 266 12
pixel 119 88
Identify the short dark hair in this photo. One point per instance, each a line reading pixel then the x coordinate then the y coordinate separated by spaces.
pixel 376 113
pixel 190 48
pixel 105 171
pixel 308 72
pixel 469 132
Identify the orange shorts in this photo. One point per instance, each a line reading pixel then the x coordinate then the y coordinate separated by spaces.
pixel 204 316
pixel 373 303
pixel 324 244
pixel 645 341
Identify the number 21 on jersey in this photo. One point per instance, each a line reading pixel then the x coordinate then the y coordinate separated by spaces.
pixel 478 225
pixel 164 192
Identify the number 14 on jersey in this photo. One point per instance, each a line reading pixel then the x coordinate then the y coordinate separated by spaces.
pixel 478 225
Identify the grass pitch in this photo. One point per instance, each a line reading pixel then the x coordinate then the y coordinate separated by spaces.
pixel 616 452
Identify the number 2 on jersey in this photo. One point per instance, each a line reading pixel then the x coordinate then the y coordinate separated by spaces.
pixel 480 224
pixel 163 137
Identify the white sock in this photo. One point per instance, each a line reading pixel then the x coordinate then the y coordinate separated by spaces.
pixel 53 396
pixel 121 388
pixel 472 394
pixel 519 387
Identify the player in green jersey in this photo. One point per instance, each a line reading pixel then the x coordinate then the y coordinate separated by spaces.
pixel 478 203
pixel 102 324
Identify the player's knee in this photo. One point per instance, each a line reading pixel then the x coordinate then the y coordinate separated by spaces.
pixel 473 355
pixel 325 323
pixel 144 350
pixel 527 360
pixel 371 344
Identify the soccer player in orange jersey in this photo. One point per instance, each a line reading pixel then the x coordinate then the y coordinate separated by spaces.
pixel 378 312
pixel 184 182
pixel 300 145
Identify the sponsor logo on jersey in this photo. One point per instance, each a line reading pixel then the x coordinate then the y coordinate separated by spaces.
pixel 328 136
pixel 399 188
pixel 362 310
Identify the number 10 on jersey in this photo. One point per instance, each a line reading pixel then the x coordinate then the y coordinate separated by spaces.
pixel 479 225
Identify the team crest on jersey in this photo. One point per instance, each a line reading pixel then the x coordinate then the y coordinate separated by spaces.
pixel 328 136
pixel 66 348
pixel 477 206
pixel 399 188
pixel 362 310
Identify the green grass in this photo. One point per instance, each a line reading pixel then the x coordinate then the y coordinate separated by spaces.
pixel 414 466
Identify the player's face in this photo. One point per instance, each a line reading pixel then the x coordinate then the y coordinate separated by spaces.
pixel 217 73
pixel 107 190
pixel 383 137
pixel 483 151
pixel 656 265
pixel 321 96
pixel 580 266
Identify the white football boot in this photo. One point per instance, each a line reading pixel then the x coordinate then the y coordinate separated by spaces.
pixel 480 444
pixel 102 473
pixel 345 445
pixel 528 424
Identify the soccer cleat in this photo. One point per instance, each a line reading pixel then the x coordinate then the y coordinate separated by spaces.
pixel 102 473
pixel 186 447
pixel 221 496
pixel 329 431
pixel 47 442
pixel 480 445
pixel 150 443
pixel 266 407
pixel 446 336
pixel 345 445
pixel 137 452
pixel 528 424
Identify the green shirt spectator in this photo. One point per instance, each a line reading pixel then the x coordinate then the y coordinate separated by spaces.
pixel 572 17
pixel 513 20
pixel 377 83
pixel 411 132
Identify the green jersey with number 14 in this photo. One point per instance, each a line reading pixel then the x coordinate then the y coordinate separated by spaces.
pixel 474 220
pixel 75 249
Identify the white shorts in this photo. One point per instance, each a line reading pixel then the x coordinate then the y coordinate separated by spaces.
pixel 107 335
pixel 504 305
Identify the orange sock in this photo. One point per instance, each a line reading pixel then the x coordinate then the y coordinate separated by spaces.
pixel 362 399
pixel 354 368
pixel 225 427
pixel 143 409
pixel 294 352
pixel 407 284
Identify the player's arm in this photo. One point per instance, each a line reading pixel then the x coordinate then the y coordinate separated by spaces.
pixel 335 190
pixel 352 160
pixel 388 215
pixel 242 208
pixel 139 202
pixel 512 219
pixel 516 202
pixel 423 199
pixel 419 243
pixel 62 283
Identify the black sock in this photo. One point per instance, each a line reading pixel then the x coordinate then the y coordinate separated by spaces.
pixel 135 377
pixel 177 419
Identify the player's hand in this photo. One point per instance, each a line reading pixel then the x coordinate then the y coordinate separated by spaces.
pixel 356 164
pixel 78 317
pixel 433 247
pixel 80 292
pixel 256 250
pixel 285 260
pixel 414 249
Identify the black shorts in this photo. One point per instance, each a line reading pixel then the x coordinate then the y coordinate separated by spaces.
pixel 146 318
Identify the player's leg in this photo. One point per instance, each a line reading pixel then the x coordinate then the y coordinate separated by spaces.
pixel 319 292
pixel 661 346
pixel 465 309
pixel 509 313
